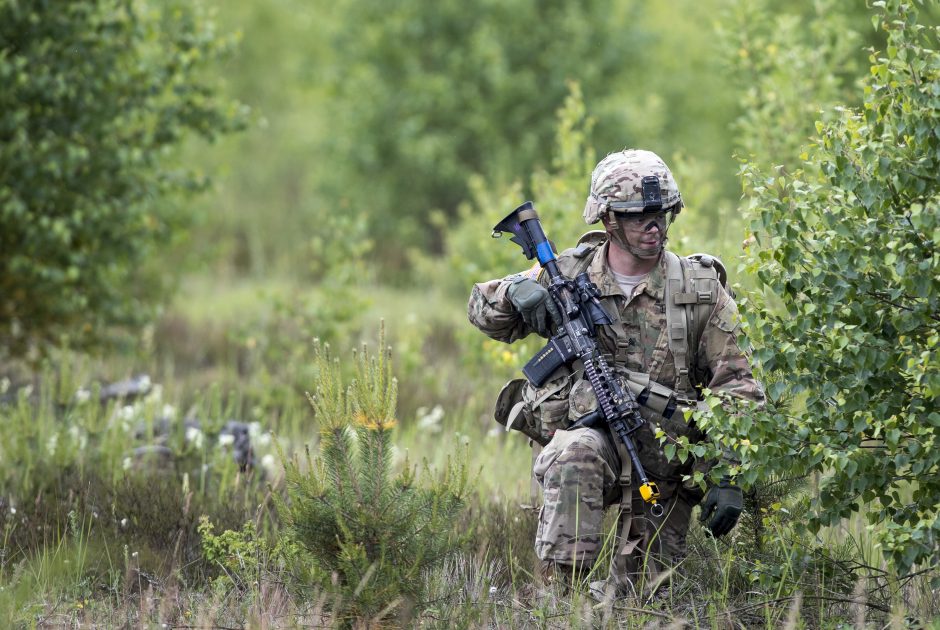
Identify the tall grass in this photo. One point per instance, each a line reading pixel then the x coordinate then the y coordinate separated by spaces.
pixel 89 539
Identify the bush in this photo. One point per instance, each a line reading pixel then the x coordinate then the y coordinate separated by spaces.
pixel 847 244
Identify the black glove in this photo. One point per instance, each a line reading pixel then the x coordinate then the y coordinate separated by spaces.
pixel 721 507
pixel 535 305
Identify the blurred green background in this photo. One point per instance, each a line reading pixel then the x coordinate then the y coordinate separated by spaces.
pixel 370 120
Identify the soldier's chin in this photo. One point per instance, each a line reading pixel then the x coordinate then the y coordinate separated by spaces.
pixel 647 253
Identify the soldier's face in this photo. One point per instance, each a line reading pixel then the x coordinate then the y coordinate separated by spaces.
pixel 643 235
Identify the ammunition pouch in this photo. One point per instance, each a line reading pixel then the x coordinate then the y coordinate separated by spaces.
pixel 536 412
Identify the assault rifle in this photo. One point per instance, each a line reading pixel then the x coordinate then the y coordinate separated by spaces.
pixel 581 311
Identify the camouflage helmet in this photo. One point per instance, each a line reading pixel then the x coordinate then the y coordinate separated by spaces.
pixel 631 181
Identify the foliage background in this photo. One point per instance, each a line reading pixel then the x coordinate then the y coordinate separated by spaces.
pixel 380 143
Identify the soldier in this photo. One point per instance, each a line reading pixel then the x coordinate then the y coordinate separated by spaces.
pixel 676 325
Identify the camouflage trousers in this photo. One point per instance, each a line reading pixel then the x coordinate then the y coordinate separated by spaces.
pixel 579 472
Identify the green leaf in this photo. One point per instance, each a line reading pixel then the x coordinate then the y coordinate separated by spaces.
pixel 669 450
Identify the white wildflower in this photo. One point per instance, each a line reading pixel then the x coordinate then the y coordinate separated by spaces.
pixel 123 522
pixel 12 510
pixel 78 436
pixel 155 394
pixel 430 420
pixel 254 429
pixel 127 463
pixel 4 385
pixel 226 439
pixel 168 411
pixel 264 439
pixel 127 412
pixel 195 436
pixel 26 392
pixel 269 463
pixel 82 396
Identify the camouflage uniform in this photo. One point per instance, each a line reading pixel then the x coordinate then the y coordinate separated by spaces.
pixel 579 469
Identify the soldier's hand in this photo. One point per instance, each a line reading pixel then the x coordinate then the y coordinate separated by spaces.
pixel 533 302
pixel 722 507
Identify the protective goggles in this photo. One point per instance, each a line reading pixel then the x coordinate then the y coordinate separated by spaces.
pixel 644 222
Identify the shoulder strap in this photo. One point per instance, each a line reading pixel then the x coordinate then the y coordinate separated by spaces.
pixel 707 260
pixel 593 237
pixel 705 274
pixel 574 260
pixel 691 293
pixel 677 321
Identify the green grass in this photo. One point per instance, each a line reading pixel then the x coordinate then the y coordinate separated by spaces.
pixel 90 540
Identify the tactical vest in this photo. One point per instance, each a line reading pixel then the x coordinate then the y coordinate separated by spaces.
pixel 691 293
pixel 690 297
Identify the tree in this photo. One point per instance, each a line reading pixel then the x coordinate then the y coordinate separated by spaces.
pixel 847 243
pixel 429 93
pixel 368 535
pixel 96 95
pixel 789 65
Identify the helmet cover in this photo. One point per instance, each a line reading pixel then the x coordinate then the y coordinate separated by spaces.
pixel 632 181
